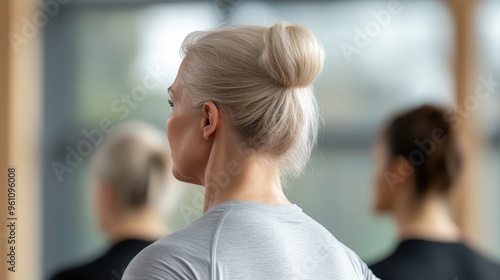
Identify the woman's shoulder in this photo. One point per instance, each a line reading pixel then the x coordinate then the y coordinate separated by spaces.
pixel 175 256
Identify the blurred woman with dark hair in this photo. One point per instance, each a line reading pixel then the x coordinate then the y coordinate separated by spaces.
pixel 418 162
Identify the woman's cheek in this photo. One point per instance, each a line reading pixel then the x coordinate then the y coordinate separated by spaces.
pixel 170 131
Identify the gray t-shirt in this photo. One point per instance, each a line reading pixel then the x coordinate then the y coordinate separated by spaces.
pixel 246 240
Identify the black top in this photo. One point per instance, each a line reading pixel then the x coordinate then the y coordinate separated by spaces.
pixel 416 259
pixel 109 266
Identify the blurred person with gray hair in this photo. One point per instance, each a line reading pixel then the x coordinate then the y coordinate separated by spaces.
pixel 134 196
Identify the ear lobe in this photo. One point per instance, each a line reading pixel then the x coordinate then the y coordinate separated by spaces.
pixel 108 193
pixel 402 170
pixel 210 118
pixel 107 205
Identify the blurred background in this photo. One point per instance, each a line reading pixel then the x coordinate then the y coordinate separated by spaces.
pixel 68 66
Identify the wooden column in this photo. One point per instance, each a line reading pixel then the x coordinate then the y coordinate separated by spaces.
pixel 465 79
pixel 4 128
pixel 20 124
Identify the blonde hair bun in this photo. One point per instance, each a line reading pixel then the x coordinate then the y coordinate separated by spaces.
pixel 261 79
pixel 291 56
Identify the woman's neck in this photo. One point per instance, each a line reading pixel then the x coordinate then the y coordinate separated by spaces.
pixel 233 174
pixel 142 225
pixel 427 219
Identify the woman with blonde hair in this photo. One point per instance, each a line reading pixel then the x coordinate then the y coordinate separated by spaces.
pixel 133 197
pixel 244 116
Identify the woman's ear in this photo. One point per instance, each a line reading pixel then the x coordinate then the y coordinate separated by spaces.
pixel 210 119
pixel 107 204
pixel 400 172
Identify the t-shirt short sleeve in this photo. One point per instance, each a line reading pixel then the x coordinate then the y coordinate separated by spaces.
pixel 158 262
